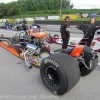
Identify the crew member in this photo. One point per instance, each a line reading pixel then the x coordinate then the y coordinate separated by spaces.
pixel 65 33
pixel 24 24
pixel 91 21
pixel 7 24
pixel 24 21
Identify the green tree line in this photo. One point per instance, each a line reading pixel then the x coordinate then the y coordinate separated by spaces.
pixel 33 7
pixel 21 7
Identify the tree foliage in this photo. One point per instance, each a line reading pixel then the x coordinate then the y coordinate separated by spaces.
pixel 40 7
pixel 32 6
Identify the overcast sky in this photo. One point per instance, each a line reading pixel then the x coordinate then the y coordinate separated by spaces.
pixel 6 1
pixel 87 4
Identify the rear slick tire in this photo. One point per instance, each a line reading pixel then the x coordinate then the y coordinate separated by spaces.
pixel 85 71
pixel 60 73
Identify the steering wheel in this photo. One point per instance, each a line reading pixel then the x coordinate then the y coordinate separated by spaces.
pixel 24 37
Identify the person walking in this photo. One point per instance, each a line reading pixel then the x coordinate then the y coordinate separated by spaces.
pixel 7 24
pixel 65 33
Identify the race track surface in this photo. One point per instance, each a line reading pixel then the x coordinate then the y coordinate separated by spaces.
pixel 17 82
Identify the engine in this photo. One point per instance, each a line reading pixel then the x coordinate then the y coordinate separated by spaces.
pixel 32 49
pixel 33 55
pixel 38 41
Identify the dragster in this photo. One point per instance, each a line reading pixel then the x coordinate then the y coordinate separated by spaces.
pixel 60 70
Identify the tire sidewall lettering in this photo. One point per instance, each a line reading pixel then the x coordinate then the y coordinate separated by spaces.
pixel 48 60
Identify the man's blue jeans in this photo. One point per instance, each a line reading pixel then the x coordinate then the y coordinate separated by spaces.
pixel 7 27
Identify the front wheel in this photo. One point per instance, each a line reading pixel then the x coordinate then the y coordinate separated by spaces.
pixel 56 35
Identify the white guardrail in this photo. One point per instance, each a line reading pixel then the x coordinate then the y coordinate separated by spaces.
pixel 18 19
pixel 31 19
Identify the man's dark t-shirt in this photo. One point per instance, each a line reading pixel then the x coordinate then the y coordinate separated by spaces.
pixel 24 21
pixel 65 34
pixel 64 29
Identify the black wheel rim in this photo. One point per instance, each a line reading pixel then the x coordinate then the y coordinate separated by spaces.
pixel 52 76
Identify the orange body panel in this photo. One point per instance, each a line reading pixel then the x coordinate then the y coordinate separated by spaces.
pixel 6 46
pixel 77 50
pixel 38 34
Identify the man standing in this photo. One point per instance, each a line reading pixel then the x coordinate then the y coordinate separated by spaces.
pixel 65 34
pixel 25 27
pixel 24 21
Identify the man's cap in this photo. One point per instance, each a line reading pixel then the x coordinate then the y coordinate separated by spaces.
pixel 67 17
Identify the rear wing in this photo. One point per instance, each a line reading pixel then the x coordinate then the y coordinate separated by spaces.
pixel 89 29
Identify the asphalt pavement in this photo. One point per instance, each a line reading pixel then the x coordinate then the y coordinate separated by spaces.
pixel 56 28
pixel 17 82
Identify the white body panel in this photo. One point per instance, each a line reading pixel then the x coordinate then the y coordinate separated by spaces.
pixel 76 40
